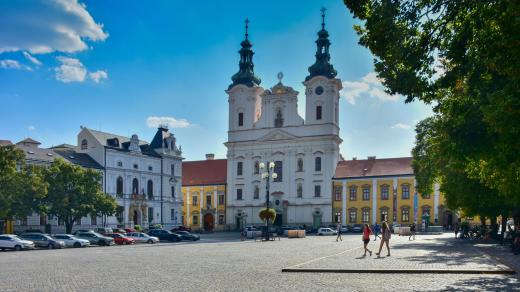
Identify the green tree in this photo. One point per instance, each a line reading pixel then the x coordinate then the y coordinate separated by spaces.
pixel 74 192
pixel 22 187
pixel 105 206
pixel 462 56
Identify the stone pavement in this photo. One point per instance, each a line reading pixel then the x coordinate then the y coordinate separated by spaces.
pixel 426 254
pixel 223 263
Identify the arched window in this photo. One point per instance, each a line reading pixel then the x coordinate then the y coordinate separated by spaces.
pixel 317 164
pixel 119 186
pixel 299 190
pixel 173 191
pixel 278 121
pixel 256 169
pixel 150 189
pixel 84 144
pixel 256 194
pixel 300 164
pixel 240 119
pixel 318 112
pixel 135 186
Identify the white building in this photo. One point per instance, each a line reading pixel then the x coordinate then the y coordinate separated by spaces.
pixel 144 178
pixel 264 126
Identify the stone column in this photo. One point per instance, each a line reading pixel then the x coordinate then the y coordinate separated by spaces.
pixel 344 202
pixel 436 203
pixel 374 200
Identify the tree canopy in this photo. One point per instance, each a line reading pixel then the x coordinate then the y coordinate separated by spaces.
pixel 463 57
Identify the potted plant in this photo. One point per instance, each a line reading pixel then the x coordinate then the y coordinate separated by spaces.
pixel 267 214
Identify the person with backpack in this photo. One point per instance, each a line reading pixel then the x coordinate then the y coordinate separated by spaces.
pixel 412 231
pixel 366 238
pixel 377 230
pixel 386 233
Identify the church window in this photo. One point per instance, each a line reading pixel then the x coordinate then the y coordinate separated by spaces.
pixel 405 214
pixel 278 169
pixel 208 200
pixel 299 165
pixel 365 215
pixel 195 219
pixel 119 186
pixel 84 144
pixel 120 163
pixel 194 200
pixel 352 215
pixel 150 189
pixel 173 191
pixel 366 193
pixel 317 191
pixel 240 119
pixel 337 217
pixel 221 199
pixel 317 164
pixel 384 214
pixel 405 189
pixel 278 121
pixel 337 193
pixel 256 169
pixel 135 186
pixel 257 193
pixel 240 166
pixel 299 190
pixel 239 194
pixel 318 112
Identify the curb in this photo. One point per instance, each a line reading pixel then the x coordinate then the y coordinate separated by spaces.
pixel 400 271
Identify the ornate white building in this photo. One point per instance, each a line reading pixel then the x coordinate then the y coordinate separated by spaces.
pixel 144 178
pixel 264 126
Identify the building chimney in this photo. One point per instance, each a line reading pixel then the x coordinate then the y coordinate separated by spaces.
pixel 210 156
pixel 371 158
pixel 354 158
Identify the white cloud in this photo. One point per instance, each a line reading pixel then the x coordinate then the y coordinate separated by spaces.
pixel 32 59
pixel 401 126
pixel 45 26
pixel 171 122
pixel 369 86
pixel 13 64
pixel 31 128
pixel 98 76
pixel 70 70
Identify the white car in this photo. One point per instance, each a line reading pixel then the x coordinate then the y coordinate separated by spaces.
pixel 142 237
pixel 71 240
pixel 327 231
pixel 10 241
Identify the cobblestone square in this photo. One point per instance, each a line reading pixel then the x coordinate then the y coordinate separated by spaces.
pixel 221 262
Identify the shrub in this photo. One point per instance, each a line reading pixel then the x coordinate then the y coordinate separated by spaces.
pixel 265 214
pixel 138 227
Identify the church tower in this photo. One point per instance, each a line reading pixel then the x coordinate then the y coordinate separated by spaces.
pixel 322 87
pixel 245 104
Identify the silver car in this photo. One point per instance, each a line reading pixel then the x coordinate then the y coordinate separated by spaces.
pixel 10 241
pixel 140 237
pixel 72 241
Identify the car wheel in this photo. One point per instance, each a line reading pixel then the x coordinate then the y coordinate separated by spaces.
pixel 125 243
pixel 50 246
pixel 150 241
pixel 3 249
pixel 102 243
pixel 17 248
pixel 77 244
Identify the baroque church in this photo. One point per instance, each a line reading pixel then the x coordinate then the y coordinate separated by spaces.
pixel 264 127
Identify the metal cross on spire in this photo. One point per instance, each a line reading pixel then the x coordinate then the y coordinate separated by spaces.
pixel 247 26
pixel 323 9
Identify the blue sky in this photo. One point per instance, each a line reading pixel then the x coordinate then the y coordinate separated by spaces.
pixel 118 66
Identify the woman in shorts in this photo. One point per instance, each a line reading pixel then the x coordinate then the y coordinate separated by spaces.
pixel 366 238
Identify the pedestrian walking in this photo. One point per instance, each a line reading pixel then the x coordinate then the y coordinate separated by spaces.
pixel 385 238
pixel 412 231
pixel 456 230
pixel 366 238
pixel 377 230
pixel 338 230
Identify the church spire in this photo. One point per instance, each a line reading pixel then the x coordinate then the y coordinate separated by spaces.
pixel 245 74
pixel 322 66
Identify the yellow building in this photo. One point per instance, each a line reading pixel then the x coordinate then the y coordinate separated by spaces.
pixel 204 193
pixel 374 190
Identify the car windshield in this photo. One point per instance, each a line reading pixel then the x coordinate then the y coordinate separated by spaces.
pixel 15 237
pixel 61 237
pixel 96 234
pixel 182 232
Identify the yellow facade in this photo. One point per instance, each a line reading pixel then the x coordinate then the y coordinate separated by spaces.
pixel 361 208
pixel 204 207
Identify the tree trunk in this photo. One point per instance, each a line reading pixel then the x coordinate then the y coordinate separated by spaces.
pixel 494 227
pixel 68 225
pixel 516 219
pixel 483 220
pixel 504 223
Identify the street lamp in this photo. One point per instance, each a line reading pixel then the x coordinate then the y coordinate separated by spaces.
pixel 267 175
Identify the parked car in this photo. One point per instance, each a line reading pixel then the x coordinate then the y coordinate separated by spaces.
pixel 43 240
pixel 83 231
pixel 284 229
pixel 180 228
pixel 33 231
pixel 10 241
pixel 344 229
pixel 71 240
pixel 357 228
pixel 104 230
pixel 185 235
pixel 142 237
pixel 128 230
pixel 164 235
pixel 95 238
pixel 327 231
pixel 120 238
pixel 118 230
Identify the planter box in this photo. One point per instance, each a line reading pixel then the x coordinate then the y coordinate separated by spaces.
pixel 296 233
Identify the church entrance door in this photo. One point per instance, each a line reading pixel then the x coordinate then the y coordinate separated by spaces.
pixel 209 221
pixel 278 220
pixel 136 217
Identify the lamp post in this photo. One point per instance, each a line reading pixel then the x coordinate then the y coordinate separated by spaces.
pixel 267 175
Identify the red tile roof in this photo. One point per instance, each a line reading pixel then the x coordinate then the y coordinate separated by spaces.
pixel 374 167
pixel 204 172
pixel 5 143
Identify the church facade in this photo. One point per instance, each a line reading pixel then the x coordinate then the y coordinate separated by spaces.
pixel 264 127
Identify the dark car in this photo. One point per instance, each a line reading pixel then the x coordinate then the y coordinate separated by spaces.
pixel 357 228
pixel 43 240
pixel 180 228
pixel 185 235
pixel 95 238
pixel 102 230
pixel 165 235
